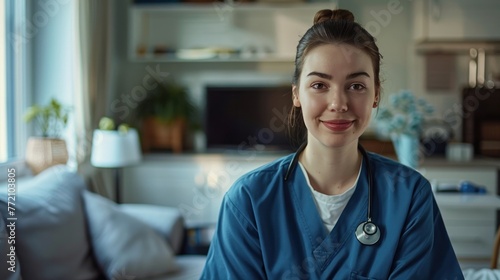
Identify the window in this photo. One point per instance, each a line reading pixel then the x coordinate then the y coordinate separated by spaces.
pixel 3 85
pixel 12 80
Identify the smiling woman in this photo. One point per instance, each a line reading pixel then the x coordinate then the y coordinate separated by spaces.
pixel 331 210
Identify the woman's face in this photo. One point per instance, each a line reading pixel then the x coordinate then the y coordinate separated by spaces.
pixel 336 93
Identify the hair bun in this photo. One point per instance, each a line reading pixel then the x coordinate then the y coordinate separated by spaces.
pixel 338 14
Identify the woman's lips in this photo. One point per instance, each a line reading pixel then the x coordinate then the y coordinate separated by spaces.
pixel 338 125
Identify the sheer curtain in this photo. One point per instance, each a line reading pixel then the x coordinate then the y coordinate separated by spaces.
pixel 92 83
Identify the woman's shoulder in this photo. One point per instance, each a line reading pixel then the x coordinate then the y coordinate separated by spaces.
pixel 382 162
pixel 390 170
pixel 262 178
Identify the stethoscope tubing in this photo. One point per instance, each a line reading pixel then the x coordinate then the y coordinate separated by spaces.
pixel 366 240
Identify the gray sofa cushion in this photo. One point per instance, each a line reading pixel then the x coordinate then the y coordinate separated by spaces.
pixel 123 245
pixel 167 221
pixel 51 235
pixel 10 268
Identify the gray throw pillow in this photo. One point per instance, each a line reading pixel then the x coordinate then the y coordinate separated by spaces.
pixel 52 240
pixel 10 268
pixel 123 245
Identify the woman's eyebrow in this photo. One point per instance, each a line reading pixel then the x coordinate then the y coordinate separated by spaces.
pixel 329 77
pixel 321 75
pixel 357 74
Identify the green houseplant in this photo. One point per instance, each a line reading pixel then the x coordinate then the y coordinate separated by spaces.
pixel 50 120
pixel 165 114
pixel 49 149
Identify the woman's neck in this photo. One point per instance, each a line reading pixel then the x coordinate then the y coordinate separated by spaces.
pixel 331 170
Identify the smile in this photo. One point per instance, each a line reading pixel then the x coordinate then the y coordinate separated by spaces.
pixel 338 125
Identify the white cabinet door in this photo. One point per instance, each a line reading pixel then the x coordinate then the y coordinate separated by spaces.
pixel 449 20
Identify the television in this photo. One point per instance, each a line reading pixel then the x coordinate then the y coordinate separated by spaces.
pixel 247 117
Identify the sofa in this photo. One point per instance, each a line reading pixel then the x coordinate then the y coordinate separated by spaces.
pixel 57 229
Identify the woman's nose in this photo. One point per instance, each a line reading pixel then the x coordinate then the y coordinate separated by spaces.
pixel 337 102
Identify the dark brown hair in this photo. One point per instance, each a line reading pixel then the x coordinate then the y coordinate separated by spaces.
pixel 330 27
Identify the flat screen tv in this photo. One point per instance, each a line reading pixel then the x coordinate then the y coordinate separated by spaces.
pixel 247 117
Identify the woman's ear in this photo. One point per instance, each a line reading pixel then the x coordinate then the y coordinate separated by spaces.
pixel 377 98
pixel 295 96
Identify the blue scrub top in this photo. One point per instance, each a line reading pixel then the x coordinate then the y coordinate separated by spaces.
pixel 269 228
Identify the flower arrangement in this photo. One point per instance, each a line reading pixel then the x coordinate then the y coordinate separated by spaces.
pixel 404 115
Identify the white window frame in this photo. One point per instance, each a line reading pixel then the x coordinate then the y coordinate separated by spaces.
pixel 3 84
pixel 17 78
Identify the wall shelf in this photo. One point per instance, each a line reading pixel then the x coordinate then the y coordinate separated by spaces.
pixel 268 31
pixel 171 58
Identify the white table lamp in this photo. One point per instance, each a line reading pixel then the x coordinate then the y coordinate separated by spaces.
pixel 115 149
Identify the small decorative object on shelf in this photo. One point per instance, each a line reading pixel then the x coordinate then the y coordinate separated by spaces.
pixel 402 121
pixel 49 149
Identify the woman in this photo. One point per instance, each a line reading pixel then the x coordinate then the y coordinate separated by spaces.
pixel 332 211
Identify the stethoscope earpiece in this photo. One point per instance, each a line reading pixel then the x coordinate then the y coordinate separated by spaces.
pixel 367 233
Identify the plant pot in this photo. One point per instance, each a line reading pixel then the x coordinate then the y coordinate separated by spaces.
pixel 42 153
pixel 158 134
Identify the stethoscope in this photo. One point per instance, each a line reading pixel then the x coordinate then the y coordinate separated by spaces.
pixel 367 232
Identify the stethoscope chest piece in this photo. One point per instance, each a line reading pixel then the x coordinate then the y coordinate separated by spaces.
pixel 367 233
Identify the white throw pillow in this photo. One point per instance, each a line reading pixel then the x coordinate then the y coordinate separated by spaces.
pixel 123 245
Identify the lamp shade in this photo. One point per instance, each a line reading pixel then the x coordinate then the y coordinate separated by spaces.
pixel 111 148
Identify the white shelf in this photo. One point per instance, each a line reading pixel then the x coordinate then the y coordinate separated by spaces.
pixel 233 58
pixel 270 30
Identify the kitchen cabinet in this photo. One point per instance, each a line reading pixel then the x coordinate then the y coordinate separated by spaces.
pixel 470 219
pixel 219 31
pixel 470 222
pixel 456 20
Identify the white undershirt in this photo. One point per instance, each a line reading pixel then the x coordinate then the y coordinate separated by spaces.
pixel 330 206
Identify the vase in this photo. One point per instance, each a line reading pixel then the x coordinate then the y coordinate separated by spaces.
pixel 407 149
pixel 157 134
pixel 42 153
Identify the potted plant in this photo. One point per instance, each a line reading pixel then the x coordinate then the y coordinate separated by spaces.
pixel 165 114
pixel 48 149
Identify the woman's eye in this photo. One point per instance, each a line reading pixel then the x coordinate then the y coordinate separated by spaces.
pixel 357 87
pixel 318 86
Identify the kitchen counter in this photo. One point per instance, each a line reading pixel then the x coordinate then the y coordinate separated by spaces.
pixel 476 162
pixel 468 201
